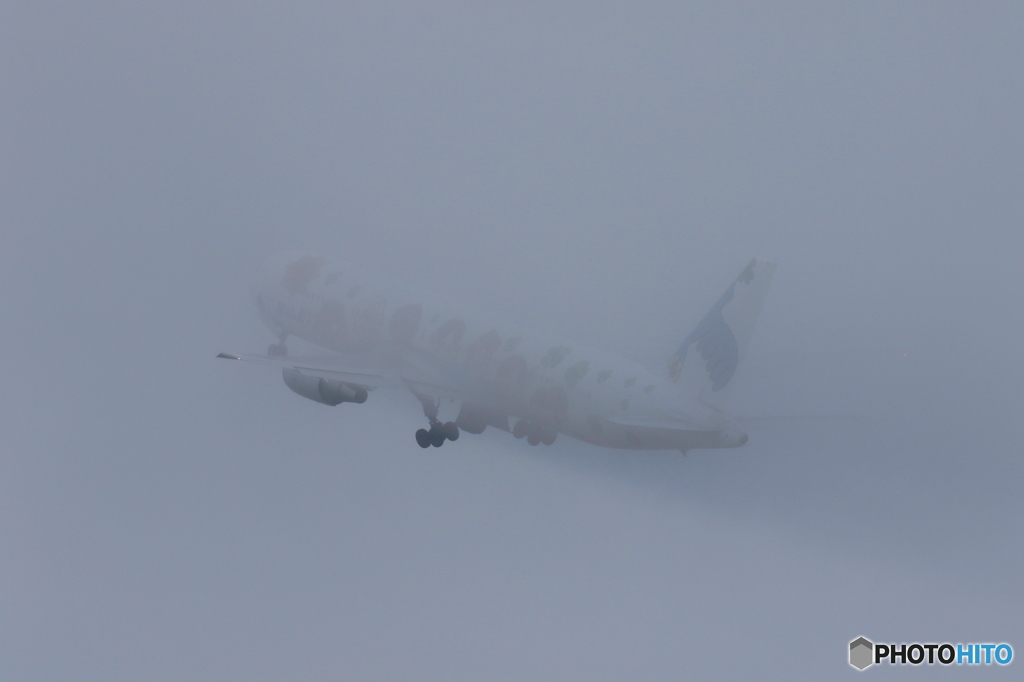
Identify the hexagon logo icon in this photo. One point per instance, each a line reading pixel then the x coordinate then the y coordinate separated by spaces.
pixel 861 653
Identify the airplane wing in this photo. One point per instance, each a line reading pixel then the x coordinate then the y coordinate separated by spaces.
pixel 375 371
pixel 324 368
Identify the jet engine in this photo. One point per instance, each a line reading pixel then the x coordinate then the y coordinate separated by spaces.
pixel 323 391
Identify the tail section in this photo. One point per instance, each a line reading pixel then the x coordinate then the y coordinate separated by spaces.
pixel 707 359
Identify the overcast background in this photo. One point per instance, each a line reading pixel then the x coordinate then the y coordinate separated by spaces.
pixel 598 170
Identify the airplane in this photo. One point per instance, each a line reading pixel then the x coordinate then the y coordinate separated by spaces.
pixel 386 335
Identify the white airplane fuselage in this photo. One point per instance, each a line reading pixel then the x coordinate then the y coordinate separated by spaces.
pixel 502 374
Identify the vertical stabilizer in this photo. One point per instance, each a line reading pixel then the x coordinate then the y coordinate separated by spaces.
pixel 706 360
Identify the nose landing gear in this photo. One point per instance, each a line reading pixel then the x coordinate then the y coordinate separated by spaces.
pixel 279 349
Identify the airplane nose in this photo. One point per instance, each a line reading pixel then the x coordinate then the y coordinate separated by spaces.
pixel 265 276
pixel 734 438
pixel 268 273
pixel 259 277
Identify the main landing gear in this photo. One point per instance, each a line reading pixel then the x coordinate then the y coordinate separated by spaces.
pixel 437 434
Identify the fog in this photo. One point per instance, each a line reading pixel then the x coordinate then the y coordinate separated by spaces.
pixel 598 170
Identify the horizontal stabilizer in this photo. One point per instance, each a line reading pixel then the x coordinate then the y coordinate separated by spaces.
pixel 667 433
pixel 652 423
pixel 791 418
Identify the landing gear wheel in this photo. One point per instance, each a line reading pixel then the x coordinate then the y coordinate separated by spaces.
pixel 437 437
pixel 278 349
pixel 423 438
pixel 451 431
pixel 549 437
pixel 533 439
pixel 521 429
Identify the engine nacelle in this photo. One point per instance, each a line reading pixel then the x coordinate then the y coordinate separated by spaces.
pixel 323 391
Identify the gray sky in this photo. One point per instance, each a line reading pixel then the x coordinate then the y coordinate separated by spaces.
pixel 597 170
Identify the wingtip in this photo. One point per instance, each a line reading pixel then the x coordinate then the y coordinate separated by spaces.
pixel 228 357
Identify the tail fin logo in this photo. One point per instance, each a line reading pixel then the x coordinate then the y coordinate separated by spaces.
pixel 715 340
